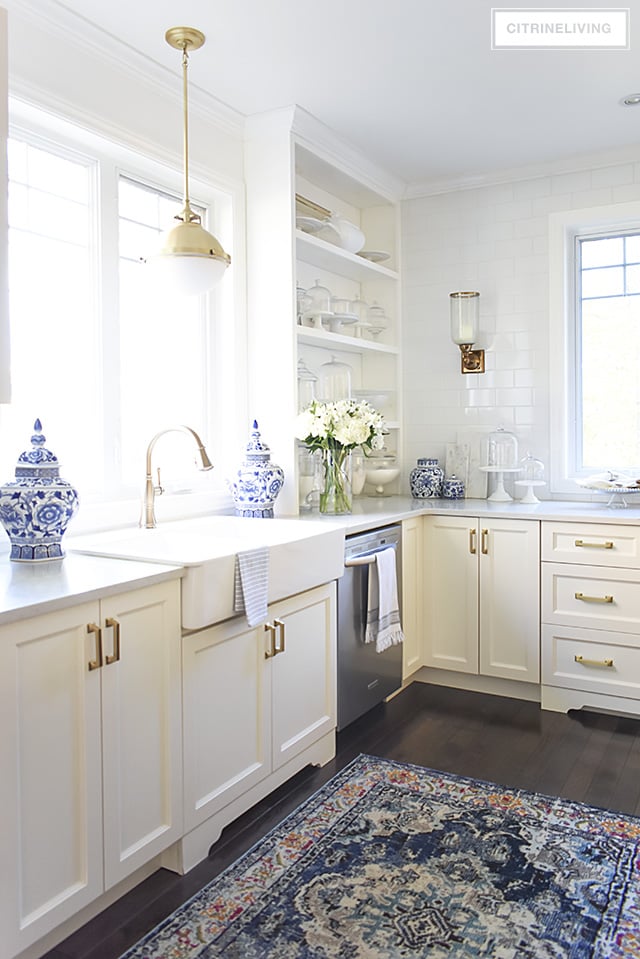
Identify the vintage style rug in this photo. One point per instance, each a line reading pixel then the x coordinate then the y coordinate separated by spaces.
pixel 392 860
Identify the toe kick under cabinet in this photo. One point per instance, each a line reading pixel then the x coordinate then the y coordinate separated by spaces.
pixel 590 616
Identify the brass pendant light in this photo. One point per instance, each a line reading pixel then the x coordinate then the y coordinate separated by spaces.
pixel 190 259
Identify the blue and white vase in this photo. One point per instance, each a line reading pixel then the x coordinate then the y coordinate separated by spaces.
pixel 36 507
pixel 426 479
pixel 453 488
pixel 258 480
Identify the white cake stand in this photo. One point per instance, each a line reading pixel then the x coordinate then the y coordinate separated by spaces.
pixel 529 496
pixel 500 494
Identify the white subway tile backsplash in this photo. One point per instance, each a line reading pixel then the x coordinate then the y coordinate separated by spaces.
pixel 612 175
pixel 571 182
pixel 493 239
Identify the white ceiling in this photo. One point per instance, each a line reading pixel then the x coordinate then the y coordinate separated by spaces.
pixel 412 83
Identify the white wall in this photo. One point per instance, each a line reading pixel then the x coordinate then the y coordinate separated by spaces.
pixel 493 239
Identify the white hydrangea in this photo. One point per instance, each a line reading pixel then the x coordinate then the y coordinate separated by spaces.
pixel 344 424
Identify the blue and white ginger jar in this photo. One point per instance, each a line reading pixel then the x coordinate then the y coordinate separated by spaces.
pixel 36 507
pixel 426 479
pixel 453 488
pixel 258 480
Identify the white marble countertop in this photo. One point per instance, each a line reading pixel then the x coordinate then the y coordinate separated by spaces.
pixel 29 589
pixel 371 511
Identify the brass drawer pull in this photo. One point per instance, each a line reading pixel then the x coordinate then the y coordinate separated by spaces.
pixel 279 646
pixel 593 662
pixel 97 662
pixel 485 541
pixel 472 541
pixel 608 544
pixel 594 599
pixel 116 641
pixel 271 651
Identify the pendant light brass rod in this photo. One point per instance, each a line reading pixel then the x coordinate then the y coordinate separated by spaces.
pixel 185 130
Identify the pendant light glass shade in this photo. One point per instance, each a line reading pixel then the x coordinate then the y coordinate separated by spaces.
pixel 190 259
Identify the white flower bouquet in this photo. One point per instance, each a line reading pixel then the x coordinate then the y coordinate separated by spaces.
pixel 336 429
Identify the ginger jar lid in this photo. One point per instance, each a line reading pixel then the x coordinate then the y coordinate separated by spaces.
pixel 257 451
pixel 38 462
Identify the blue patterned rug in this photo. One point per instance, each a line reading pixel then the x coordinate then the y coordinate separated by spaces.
pixel 392 860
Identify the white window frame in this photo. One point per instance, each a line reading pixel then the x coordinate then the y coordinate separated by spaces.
pixel 564 229
pixel 227 402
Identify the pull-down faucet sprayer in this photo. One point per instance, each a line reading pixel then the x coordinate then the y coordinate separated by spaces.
pixel 148 518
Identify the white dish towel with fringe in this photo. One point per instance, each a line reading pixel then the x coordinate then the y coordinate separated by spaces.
pixel 383 609
pixel 251 584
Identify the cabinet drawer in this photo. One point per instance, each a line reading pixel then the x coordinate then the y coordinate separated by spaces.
pixel 591 596
pixel 591 544
pixel 591 660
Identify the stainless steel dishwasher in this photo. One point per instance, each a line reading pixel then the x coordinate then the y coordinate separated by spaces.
pixel 365 677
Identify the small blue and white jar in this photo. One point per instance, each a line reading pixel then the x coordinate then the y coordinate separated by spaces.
pixel 453 488
pixel 426 479
pixel 36 507
pixel 258 480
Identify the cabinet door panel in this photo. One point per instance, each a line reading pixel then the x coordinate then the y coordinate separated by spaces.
pixel 412 577
pixel 142 744
pixel 510 600
pixel 451 589
pixel 50 776
pixel 303 676
pixel 226 717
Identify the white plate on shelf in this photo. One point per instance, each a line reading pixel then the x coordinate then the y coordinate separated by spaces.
pixel 310 224
pixel 375 256
pixel 346 318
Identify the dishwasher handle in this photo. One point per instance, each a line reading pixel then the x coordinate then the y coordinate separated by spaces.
pixel 360 560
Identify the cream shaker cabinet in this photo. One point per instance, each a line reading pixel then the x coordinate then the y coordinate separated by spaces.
pixel 256 700
pixel 91 760
pixel 482 612
pixel 591 616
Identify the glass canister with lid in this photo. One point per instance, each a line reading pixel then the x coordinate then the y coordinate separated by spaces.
pixel 426 479
pixel 502 449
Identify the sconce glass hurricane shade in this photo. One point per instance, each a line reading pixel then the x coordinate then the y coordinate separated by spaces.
pixel 465 310
pixel 190 260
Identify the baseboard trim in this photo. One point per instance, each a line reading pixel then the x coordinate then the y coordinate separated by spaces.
pixel 478 684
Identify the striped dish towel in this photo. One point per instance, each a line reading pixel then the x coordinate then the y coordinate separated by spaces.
pixel 383 609
pixel 251 584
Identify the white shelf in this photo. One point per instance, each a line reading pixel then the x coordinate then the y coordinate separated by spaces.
pixel 326 256
pixel 337 341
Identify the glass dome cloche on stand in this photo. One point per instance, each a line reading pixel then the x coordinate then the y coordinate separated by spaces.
pixel 532 476
pixel 36 507
pixel 502 457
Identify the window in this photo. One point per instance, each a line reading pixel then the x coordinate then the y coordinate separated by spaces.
pixel 594 343
pixel 608 328
pixel 99 355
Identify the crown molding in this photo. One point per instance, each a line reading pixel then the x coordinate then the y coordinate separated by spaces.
pixel 325 142
pixel 570 164
pixel 63 25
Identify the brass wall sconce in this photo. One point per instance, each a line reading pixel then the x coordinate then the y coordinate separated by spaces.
pixel 465 309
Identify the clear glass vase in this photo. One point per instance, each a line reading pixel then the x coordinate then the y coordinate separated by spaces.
pixel 335 494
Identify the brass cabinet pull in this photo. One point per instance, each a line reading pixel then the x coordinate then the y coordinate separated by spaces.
pixel 484 542
pixel 593 662
pixel 271 651
pixel 97 662
pixel 608 544
pixel 594 599
pixel 116 641
pixel 472 541
pixel 279 647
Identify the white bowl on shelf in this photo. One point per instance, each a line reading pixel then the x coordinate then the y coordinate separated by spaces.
pixel 379 399
pixel 350 236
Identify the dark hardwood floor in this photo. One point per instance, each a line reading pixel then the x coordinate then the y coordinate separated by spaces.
pixel 588 757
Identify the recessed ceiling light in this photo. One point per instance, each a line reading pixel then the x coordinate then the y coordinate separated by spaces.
pixel 632 100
